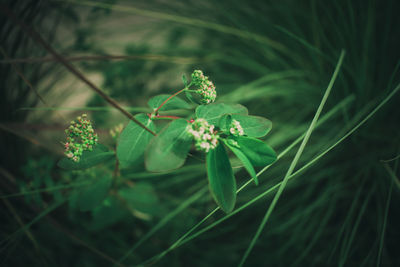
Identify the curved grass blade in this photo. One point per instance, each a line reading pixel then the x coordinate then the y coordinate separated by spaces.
pixel 295 160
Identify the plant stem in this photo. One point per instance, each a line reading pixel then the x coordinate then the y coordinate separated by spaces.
pixel 169 98
pixel 158 117
pixel 38 38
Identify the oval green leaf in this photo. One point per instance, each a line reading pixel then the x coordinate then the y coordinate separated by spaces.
pixel 259 153
pixel 169 149
pixel 243 158
pixel 213 112
pixel 224 122
pixel 221 179
pixel 133 141
pixel 253 126
pixel 173 103
pixel 99 154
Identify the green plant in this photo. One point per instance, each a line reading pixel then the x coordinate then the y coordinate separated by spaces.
pixel 212 127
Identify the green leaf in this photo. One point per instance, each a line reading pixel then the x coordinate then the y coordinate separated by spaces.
pixel 92 195
pixel 99 154
pixel 221 179
pixel 133 141
pixel 141 197
pixel 253 126
pixel 225 122
pixel 259 153
pixel 168 150
pixel 243 158
pixel 213 112
pixel 173 103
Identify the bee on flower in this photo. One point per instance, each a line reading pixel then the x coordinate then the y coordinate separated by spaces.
pixel 204 134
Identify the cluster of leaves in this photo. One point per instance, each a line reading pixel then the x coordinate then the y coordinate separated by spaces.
pixel 168 149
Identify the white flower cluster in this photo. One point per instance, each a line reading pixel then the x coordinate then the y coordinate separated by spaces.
pixel 236 128
pixel 204 135
pixel 205 87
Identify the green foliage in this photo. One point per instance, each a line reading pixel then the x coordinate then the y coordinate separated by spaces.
pixel 280 58
pixel 133 141
pixel 213 112
pixel 98 155
pixel 169 149
pixel 243 158
pixel 221 180
pixel 259 153
pixel 253 126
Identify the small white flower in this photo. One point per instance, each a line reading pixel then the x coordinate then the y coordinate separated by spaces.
pixel 236 128
pixel 204 135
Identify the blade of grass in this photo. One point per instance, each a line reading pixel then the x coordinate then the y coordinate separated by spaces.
pixel 134 109
pixel 378 261
pixel 295 160
pixel 165 220
pixel 20 222
pixel 315 236
pixel 342 259
pixel 26 81
pixel 152 57
pixel 187 21
pixel 48 189
pixel 346 222
pixel 35 220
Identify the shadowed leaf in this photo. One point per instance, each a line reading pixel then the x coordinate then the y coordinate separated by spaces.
pixel 168 150
pixel 133 141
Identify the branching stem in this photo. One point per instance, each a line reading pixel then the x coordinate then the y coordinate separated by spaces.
pixel 169 98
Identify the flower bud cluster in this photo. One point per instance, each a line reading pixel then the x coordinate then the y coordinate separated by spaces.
pixel 236 128
pixel 205 87
pixel 204 135
pixel 80 137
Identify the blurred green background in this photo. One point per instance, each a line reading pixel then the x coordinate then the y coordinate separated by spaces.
pixel 274 57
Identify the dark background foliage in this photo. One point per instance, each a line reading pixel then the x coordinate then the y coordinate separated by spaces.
pixel 275 57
